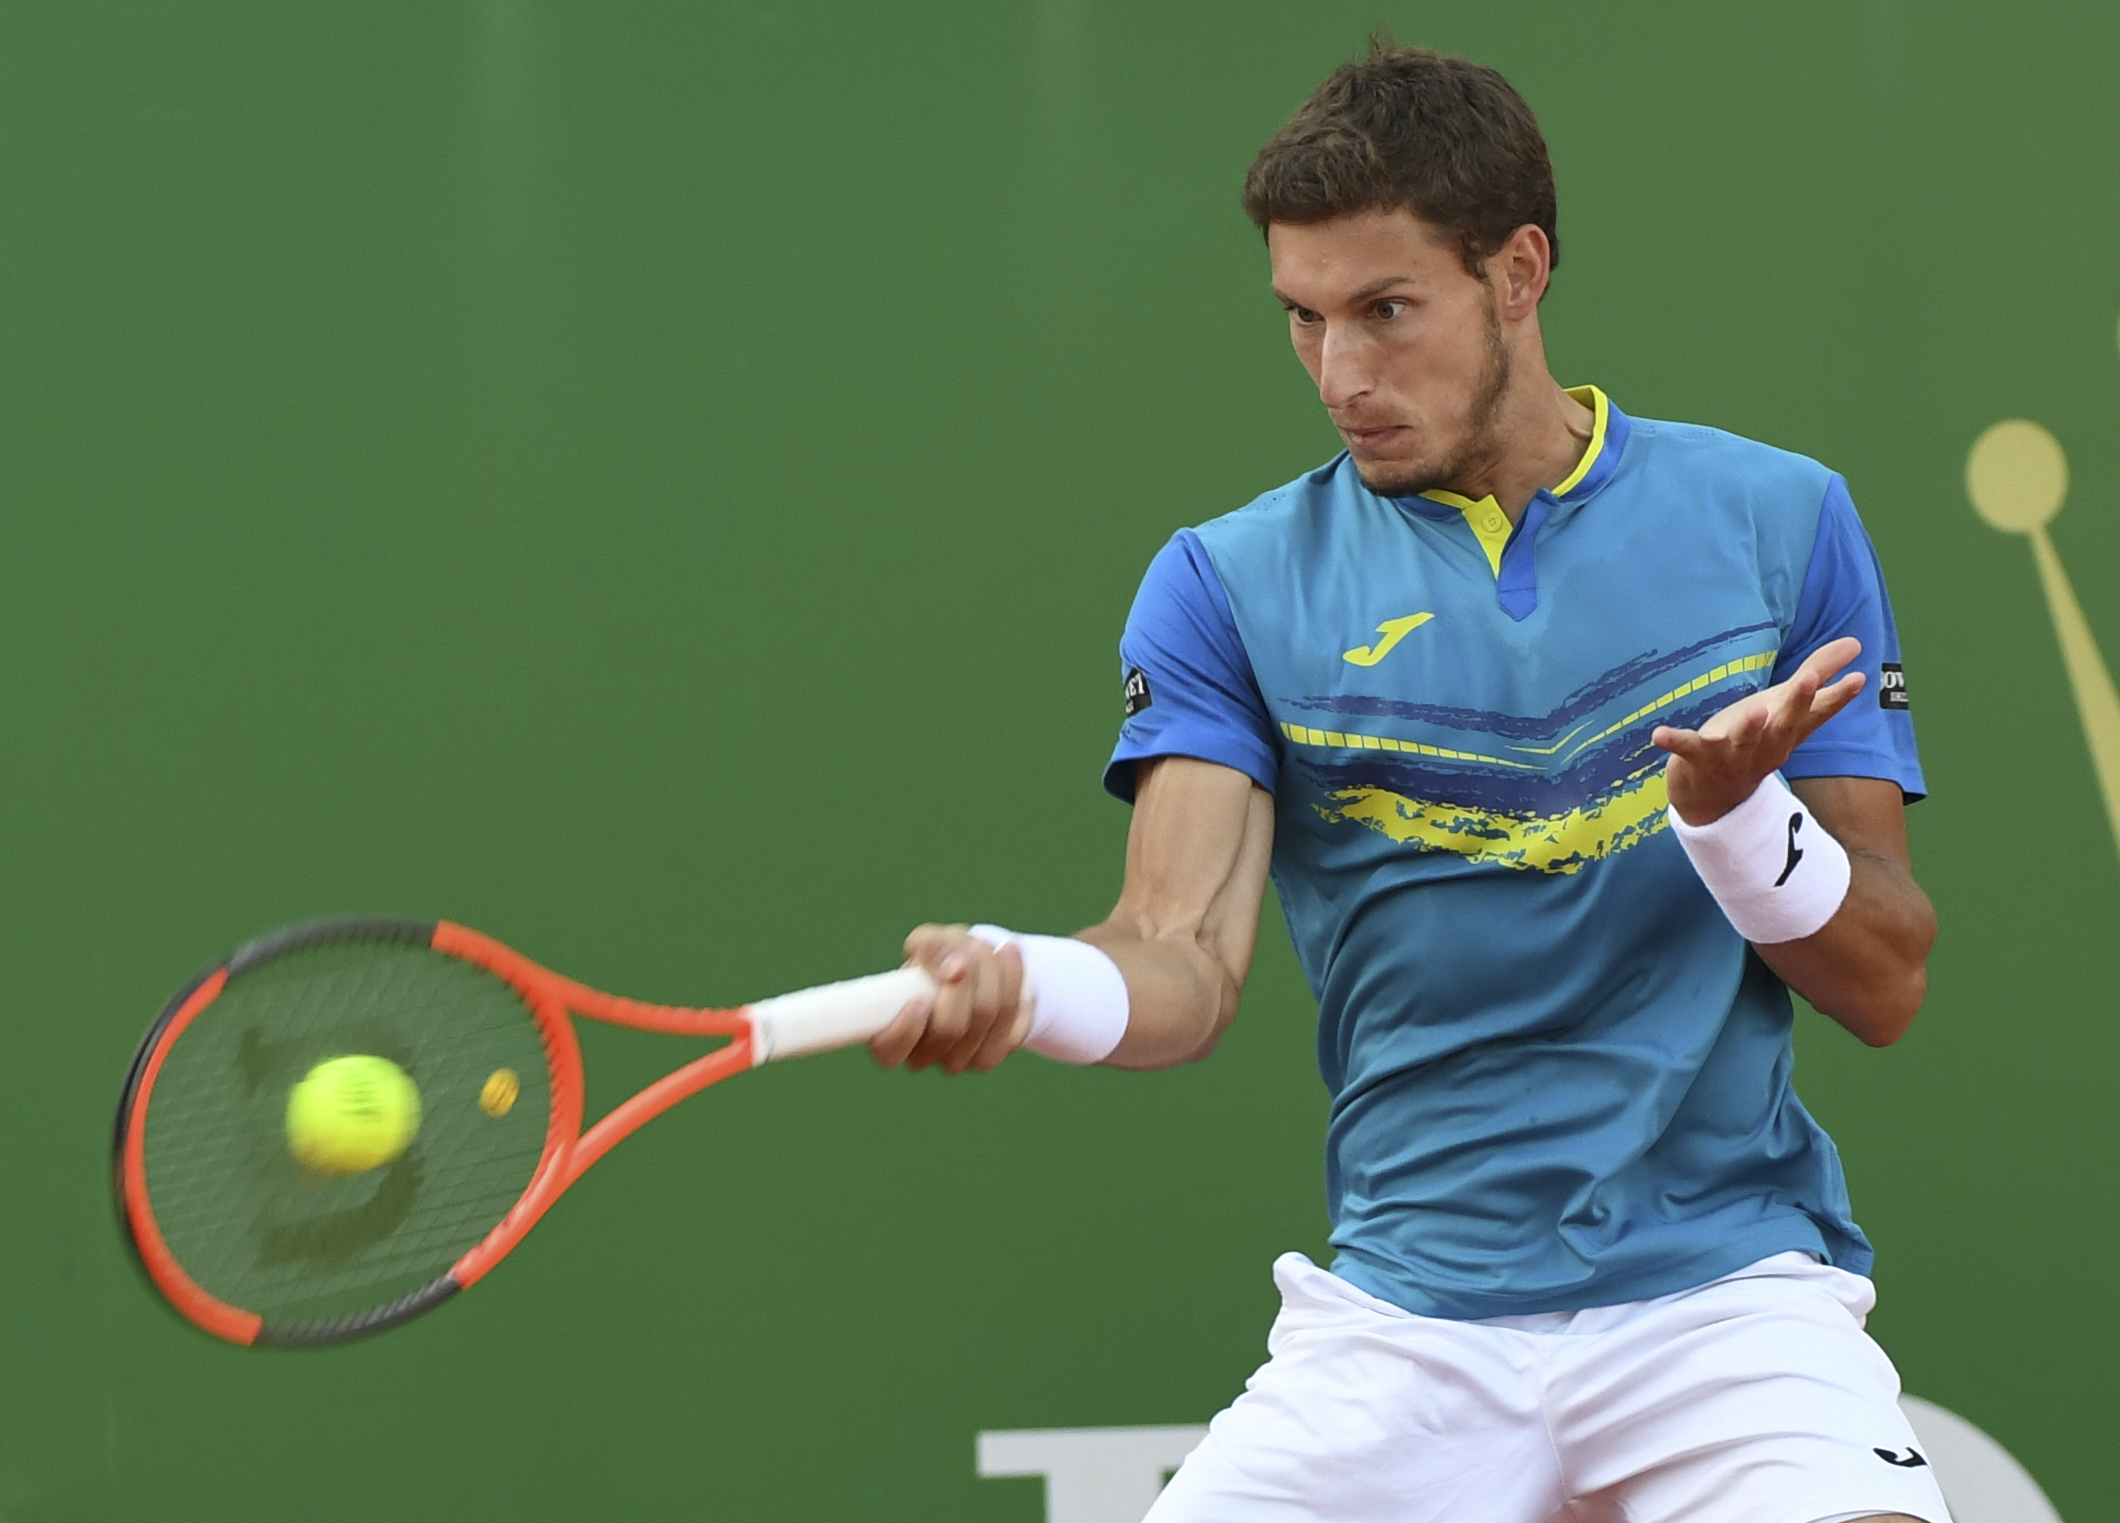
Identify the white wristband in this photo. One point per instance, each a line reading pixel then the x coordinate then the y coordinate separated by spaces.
pixel 1775 871
pixel 1078 995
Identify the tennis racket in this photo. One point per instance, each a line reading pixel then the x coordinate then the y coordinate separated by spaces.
pixel 256 1247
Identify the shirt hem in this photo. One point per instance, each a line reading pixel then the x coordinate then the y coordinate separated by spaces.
pixel 1800 1235
pixel 1827 761
pixel 1885 1508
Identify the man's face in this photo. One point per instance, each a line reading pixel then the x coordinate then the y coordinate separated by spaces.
pixel 1405 346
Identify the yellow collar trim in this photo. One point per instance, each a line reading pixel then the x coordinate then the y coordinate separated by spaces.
pixel 1484 516
pixel 1593 399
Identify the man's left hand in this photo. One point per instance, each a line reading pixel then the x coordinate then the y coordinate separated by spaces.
pixel 1715 768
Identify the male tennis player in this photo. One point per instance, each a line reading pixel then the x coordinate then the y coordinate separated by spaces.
pixel 1573 741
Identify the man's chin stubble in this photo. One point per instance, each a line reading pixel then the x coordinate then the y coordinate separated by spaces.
pixel 1397 480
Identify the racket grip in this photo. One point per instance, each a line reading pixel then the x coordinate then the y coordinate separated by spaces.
pixel 832 1015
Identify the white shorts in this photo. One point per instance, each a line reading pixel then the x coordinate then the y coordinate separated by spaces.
pixel 1756 1398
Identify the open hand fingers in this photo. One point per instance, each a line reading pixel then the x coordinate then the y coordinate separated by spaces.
pixel 1739 721
pixel 1737 725
pixel 1687 743
pixel 1785 713
pixel 1829 659
pixel 1789 719
pixel 1715 768
pixel 1809 698
pixel 1830 701
pixel 1801 703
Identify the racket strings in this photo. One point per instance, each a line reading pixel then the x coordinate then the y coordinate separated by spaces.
pixel 255 1228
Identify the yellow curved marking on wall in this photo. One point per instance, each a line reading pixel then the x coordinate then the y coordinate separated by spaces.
pixel 1335 740
pixel 1632 813
pixel 2017 476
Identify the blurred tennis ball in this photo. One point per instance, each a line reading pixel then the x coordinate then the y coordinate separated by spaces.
pixel 497 1098
pixel 352 1114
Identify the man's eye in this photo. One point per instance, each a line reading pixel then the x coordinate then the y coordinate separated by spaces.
pixel 1302 315
pixel 1389 309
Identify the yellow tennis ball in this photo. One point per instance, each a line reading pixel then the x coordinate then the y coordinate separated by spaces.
pixel 497 1097
pixel 352 1114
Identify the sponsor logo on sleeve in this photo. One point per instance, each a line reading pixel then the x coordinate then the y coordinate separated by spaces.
pixel 1137 697
pixel 1892 692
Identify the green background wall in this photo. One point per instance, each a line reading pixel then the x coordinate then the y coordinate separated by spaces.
pixel 661 482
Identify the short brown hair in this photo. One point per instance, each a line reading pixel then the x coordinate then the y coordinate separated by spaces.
pixel 1445 138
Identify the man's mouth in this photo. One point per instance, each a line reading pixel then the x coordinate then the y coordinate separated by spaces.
pixel 1369 437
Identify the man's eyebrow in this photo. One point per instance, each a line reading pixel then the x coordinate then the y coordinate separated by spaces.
pixel 1370 292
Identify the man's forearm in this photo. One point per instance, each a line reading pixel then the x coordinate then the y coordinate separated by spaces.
pixel 1183 930
pixel 1868 967
pixel 1181 938
pixel 1180 994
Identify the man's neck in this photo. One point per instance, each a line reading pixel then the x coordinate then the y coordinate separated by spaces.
pixel 1539 440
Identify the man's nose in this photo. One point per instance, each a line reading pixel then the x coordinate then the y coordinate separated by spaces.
pixel 1343 367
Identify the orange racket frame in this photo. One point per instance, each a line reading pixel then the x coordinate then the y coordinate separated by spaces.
pixel 812 1020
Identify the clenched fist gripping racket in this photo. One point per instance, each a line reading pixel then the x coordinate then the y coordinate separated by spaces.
pixel 255 1246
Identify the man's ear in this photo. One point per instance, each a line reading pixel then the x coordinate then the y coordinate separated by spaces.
pixel 1522 267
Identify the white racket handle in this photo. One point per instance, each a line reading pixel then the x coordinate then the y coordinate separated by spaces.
pixel 832 1015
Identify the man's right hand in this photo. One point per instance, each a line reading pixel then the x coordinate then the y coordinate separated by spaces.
pixel 1181 935
pixel 976 1018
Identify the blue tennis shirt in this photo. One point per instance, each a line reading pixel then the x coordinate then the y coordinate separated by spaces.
pixel 1559 1078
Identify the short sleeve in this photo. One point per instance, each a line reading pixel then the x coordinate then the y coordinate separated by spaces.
pixel 1844 594
pixel 1189 686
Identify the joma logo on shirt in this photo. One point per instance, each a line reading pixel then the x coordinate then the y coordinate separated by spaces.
pixel 1393 631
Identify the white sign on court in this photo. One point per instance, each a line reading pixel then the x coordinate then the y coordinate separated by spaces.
pixel 1112 1475
pixel 1092 1475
